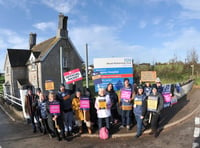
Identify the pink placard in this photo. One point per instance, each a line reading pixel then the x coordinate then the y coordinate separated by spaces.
pixel 167 97
pixel 126 94
pixel 84 103
pixel 54 109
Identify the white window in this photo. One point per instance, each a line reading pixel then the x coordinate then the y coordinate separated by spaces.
pixel 33 66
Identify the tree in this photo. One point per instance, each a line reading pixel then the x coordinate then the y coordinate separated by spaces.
pixel 192 57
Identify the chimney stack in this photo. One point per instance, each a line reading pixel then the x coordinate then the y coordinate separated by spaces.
pixel 62 26
pixel 32 40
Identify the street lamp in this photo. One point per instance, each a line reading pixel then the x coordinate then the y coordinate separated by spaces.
pixel 192 66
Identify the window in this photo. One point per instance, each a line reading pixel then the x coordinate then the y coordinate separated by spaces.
pixel 33 66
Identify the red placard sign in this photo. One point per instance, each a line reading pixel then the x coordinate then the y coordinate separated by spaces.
pixel 72 76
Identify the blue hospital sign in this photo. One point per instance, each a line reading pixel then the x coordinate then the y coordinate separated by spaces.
pixel 113 70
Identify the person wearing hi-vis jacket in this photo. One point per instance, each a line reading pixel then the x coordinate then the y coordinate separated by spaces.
pixel 103 105
pixel 126 104
pixel 155 103
pixel 140 108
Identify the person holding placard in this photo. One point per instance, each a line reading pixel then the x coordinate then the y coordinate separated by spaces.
pixel 126 103
pixel 140 108
pixel 147 89
pixel 81 108
pixel 103 105
pixel 64 96
pixel 54 116
pixel 114 100
pixel 155 103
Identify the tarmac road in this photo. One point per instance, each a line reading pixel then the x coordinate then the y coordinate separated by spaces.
pixel 18 134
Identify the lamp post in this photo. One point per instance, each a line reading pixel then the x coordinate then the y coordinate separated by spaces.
pixel 192 66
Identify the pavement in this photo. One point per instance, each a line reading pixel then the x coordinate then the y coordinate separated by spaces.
pixel 186 106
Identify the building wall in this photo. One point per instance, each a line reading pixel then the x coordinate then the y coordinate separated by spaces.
pixel 18 73
pixel 51 65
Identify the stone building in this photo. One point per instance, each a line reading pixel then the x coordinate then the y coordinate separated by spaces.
pixel 47 60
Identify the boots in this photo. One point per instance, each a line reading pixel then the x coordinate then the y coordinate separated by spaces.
pixel 89 130
pixel 80 130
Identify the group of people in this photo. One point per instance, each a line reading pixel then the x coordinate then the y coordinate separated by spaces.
pixel 59 113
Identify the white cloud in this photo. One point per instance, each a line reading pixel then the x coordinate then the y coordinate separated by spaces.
pixel 45 26
pixel 63 6
pixel 10 39
pixel 142 24
pixel 191 9
pixel 102 42
pixel 157 20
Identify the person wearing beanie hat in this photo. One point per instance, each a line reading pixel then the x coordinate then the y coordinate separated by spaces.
pixel 155 103
pixel 140 108
pixel 159 85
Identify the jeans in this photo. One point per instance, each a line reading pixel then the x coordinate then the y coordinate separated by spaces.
pixel 101 120
pixel 139 124
pixel 68 120
pixel 126 117
pixel 33 122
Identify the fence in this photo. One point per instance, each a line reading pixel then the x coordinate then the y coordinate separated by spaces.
pixel 13 100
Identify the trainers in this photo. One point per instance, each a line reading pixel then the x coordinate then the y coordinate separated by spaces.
pixel 122 126
pixel 128 127
pixel 137 136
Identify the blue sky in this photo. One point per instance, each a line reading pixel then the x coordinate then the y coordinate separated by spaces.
pixel 146 30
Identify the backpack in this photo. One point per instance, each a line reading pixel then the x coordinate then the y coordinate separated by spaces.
pixel 103 133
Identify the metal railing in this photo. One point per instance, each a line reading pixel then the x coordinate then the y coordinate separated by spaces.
pixel 13 100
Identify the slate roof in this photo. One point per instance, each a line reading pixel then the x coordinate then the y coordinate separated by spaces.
pixel 18 57
pixel 40 50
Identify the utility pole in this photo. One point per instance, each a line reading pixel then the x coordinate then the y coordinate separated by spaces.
pixel 61 64
pixel 86 66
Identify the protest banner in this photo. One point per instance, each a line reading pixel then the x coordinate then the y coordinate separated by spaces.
pixel 84 103
pixel 49 85
pixel 54 108
pixel 148 76
pixel 72 76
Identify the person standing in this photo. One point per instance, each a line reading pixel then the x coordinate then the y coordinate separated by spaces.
pixel 114 100
pixel 81 114
pixel 42 104
pixel 155 103
pixel 126 103
pixel 64 96
pixel 31 107
pixel 140 107
pixel 103 105
pixel 54 116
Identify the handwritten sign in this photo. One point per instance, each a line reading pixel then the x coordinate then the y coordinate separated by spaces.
pixel 126 94
pixel 84 103
pixel 152 103
pixel 148 76
pixel 49 85
pixel 54 109
pixel 102 104
pixel 72 76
